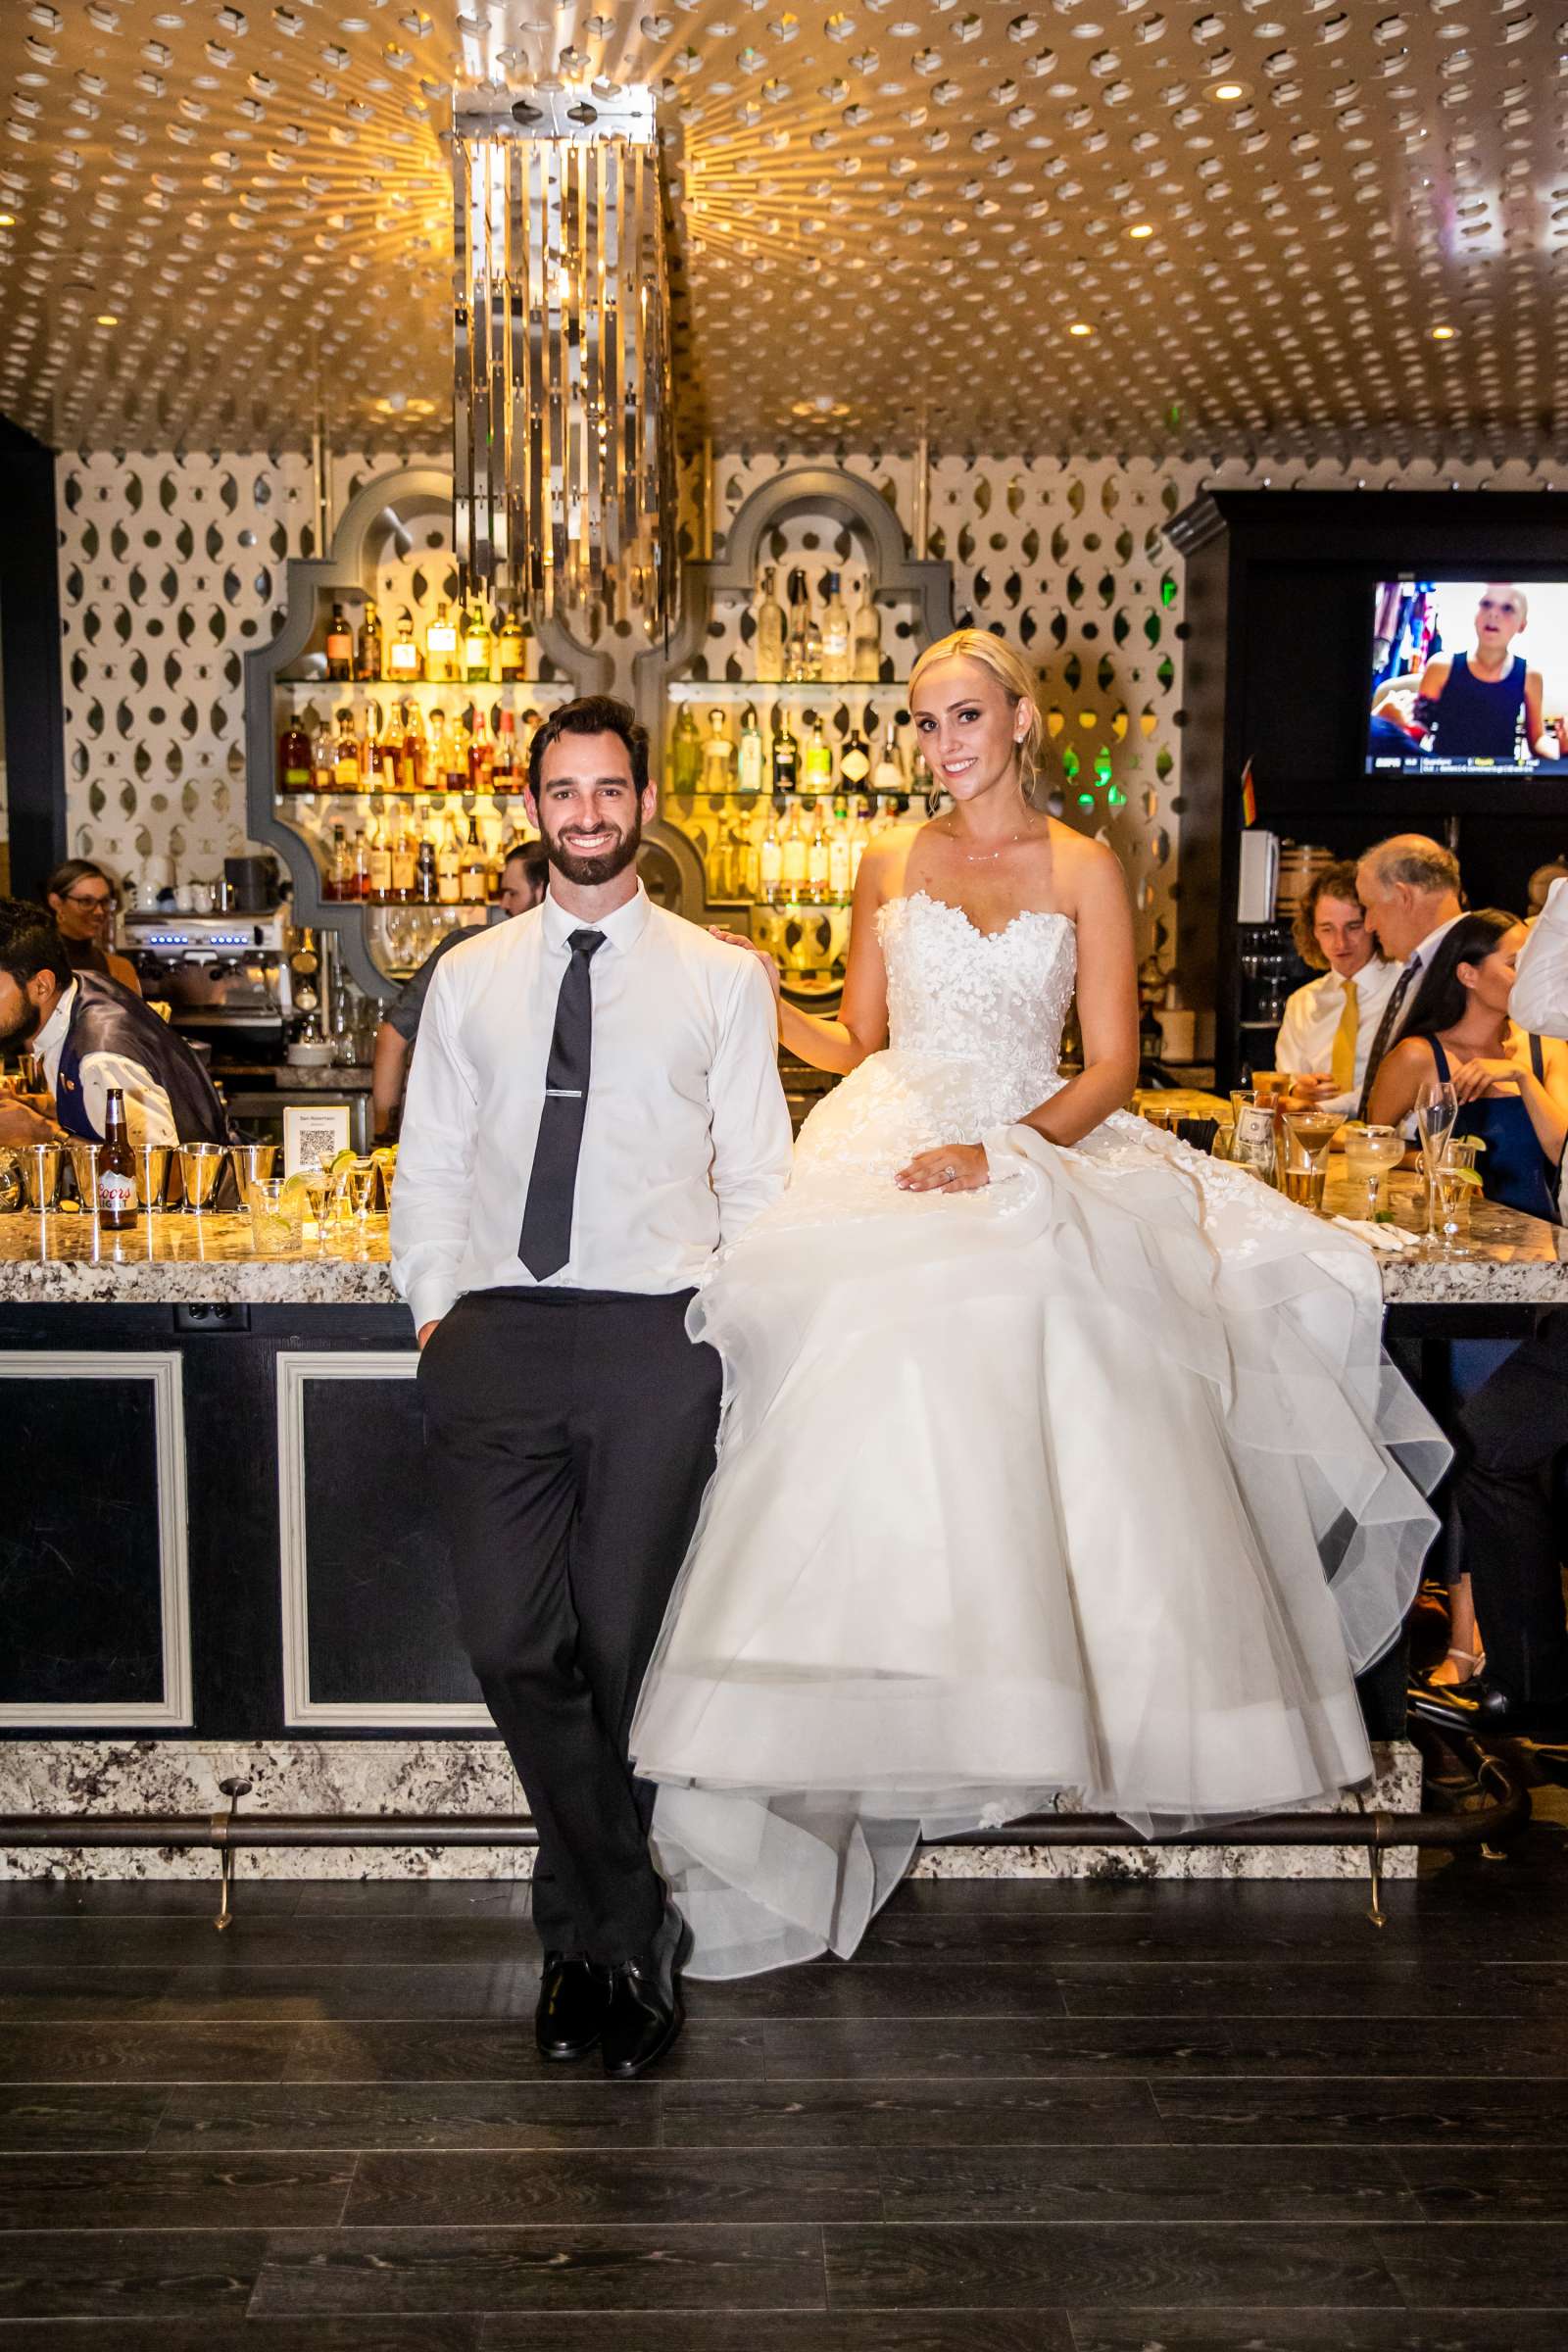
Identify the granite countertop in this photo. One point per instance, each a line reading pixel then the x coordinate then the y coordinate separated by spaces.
pixel 63 1259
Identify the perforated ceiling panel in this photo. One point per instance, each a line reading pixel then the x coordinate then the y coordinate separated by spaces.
pixel 1148 225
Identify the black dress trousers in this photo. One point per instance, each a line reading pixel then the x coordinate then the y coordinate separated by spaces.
pixel 572 1434
pixel 1512 1433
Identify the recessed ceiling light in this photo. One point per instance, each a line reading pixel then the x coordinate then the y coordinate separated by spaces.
pixel 1142 228
pixel 8 220
pixel 1228 93
pixel 107 319
pixel 1080 326
pixel 1444 335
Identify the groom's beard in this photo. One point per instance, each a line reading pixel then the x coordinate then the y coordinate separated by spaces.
pixel 603 865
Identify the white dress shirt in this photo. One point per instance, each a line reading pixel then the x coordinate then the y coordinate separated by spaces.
pixel 1540 1000
pixel 686 1134
pixel 1311 1022
pixel 149 1113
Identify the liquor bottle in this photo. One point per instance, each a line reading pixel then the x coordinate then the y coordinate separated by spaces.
pixel 785 762
pixel 116 1202
pixel 323 757
pixel 346 761
pixel 855 762
pixel 425 884
pixel 685 754
pixel 800 624
pixel 749 776
pixel 718 755
pixel 813 668
pixel 441 649
pixel 770 631
pixel 295 766
pixel 474 883
pixel 771 859
pixel 512 649
pixel 453 773
pixel 403 865
pixel 859 841
pixel 756 821
pixel 413 769
pixel 889 772
pixel 504 773
pixel 403 662
pixel 482 756
pixel 359 870
pixel 381 877
pixel 479 644
pixel 448 867
pixel 818 861
pixel 865 649
pixel 367 659
pixel 819 771
pixel 794 847
pixel 339 880
pixel 839 843
pixel 339 647
pixel 834 632
pixel 922 783
pixel 379 758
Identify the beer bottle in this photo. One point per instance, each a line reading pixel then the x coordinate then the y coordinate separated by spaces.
pixel 117 1209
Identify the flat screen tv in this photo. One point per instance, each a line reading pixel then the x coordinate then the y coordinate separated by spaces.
pixel 1469 678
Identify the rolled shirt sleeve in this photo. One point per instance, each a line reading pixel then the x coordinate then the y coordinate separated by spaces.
pixel 752 1141
pixel 1540 1000
pixel 149 1113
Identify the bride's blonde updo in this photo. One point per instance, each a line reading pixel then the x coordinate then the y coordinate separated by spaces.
pixel 1011 674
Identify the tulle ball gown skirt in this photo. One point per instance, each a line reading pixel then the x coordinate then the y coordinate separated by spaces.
pixel 1095 1484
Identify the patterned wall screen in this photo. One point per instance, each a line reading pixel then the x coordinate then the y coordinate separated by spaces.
pixel 171 568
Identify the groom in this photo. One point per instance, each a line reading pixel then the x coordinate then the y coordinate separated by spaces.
pixel 594 1107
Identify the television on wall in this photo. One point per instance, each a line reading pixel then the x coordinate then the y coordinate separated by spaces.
pixel 1469 678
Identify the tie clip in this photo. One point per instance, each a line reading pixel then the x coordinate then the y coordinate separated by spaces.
pixel 565 1094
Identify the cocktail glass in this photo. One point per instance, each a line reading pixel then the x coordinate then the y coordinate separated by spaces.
pixel 1369 1153
pixel 1308 1133
pixel 200 1167
pixel 277 1207
pixel 352 1182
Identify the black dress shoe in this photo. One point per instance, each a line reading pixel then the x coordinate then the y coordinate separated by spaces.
pixel 645 2006
pixel 1489 1711
pixel 574 2003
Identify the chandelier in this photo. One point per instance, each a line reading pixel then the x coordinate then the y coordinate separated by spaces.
pixel 563 461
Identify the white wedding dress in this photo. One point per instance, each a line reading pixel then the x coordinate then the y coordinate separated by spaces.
pixel 1082 1484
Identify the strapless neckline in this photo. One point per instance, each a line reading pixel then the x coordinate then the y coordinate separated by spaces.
pixel 1026 914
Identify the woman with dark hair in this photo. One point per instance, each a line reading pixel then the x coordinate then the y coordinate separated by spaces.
pixel 1512 1087
pixel 82 900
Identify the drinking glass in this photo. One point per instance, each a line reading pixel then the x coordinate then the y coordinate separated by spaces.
pixel 200 1167
pixel 40 1174
pixel 1436 1107
pixel 154 1164
pixel 350 1190
pixel 1369 1153
pixel 1308 1134
pixel 251 1163
pixel 84 1159
pixel 277 1207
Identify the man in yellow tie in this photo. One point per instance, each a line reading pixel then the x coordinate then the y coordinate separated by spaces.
pixel 1329 1024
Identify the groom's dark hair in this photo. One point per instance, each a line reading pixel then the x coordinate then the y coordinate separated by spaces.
pixel 592 714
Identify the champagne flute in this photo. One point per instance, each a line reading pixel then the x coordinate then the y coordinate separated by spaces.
pixel 1437 1107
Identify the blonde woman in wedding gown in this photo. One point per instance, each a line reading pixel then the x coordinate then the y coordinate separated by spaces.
pixel 1057 1460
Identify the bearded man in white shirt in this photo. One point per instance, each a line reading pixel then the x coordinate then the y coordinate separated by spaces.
pixel 1325 1039
pixel 594 1109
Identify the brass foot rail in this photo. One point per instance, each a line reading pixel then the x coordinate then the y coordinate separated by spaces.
pixel 1378 1832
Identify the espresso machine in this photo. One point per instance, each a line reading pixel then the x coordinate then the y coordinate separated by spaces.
pixel 224 977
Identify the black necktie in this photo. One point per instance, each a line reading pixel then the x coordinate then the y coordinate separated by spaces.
pixel 1385 1034
pixel 546 1243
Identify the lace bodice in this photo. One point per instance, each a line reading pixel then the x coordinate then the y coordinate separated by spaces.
pixel 1000 997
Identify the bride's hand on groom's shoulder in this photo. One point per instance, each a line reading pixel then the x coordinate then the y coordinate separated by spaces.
pixel 738 939
pixel 954 1168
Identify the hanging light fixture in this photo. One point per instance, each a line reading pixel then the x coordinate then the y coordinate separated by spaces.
pixel 564 459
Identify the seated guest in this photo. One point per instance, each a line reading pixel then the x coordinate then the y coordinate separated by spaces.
pixel 90 1035
pixel 1512 1087
pixel 82 899
pixel 1409 888
pixel 1326 1036
pixel 523 878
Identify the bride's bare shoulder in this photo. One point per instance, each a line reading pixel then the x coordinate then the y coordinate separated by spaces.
pixel 885 858
pixel 1084 868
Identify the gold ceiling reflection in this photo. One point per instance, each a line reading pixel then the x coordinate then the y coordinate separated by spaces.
pixel 1293 227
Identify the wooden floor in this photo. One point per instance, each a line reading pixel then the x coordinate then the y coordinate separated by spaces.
pixel 1027 2119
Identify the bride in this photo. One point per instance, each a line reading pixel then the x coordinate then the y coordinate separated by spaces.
pixel 1057 1459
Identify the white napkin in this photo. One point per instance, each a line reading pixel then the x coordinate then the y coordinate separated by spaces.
pixel 1379 1237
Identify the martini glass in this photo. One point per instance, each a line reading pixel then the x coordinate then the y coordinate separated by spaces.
pixel 1369 1153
